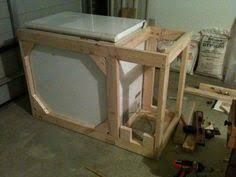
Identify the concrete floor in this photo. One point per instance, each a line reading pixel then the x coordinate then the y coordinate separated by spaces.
pixel 33 148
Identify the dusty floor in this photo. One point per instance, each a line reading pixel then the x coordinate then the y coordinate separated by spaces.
pixel 33 148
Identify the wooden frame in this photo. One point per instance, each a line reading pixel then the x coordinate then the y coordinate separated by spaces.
pixel 112 130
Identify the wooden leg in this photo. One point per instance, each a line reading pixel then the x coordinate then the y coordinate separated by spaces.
pixel 149 76
pixel 113 96
pixel 161 109
pixel 181 85
pixel 148 85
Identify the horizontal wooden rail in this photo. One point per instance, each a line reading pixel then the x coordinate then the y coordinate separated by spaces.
pixel 90 47
pixel 178 46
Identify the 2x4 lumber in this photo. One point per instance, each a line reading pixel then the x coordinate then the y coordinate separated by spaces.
pixel 148 144
pixel 133 118
pixel 208 94
pixel 218 89
pixel 179 135
pixel 149 76
pixel 100 62
pixel 113 96
pixel 165 34
pixel 26 48
pixel 181 84
pixel 70 124
pixel 89 47
pixel 133 40
pixel 126 141
pixel 189 143
pixel 232 128
pixel 161 109
pixel 178 46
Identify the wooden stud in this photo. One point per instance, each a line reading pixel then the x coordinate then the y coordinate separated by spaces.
pixel 149 76
pixel 179 136
pixel 100 62
pixel 217 89
pixel 162 97
pixel 113 96
pixel 208 94
pixel 90 47
pixel 182 78
pixel 178 47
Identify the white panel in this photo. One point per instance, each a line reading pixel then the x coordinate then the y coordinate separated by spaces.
pixel 92 26
pixel 71 84
pixel 131 85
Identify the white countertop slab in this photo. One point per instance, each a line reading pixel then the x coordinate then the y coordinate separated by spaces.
pixel 104 28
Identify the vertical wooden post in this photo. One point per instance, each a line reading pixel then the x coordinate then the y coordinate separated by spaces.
pixel 161 105
pixel 149 74
pixel 113 96
pixel 26 48
pixel 181 85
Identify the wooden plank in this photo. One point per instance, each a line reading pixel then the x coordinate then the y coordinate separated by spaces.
pixel 135 39
pixel 232 128
pixel 208 94
pixel 70 124
pixel 113 96
pixel 149 76
pixel 218 89
pixel 189 143
pixel 126 141
pixel 129 12
pixel 200 134
pixel 162 97
pixel 90 47
pixel 165 34
pixel 178 47
pixel 100 62
pixel 180 136
pixel 181 84
pixel 133 118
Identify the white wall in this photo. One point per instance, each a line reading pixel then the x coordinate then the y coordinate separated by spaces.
pixel 193 14
pixel 25 10
pixel 5 23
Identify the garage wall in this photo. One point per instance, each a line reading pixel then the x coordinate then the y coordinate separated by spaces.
pixel 23 11
pixel 193 14
pixel 5 23
pixel 26 10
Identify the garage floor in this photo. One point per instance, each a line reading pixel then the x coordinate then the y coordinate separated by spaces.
pixel 33 148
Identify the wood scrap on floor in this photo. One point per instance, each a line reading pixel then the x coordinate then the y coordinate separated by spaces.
pixel 224 96
pixel 191 132
pixel 232 126
pixel 179 135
